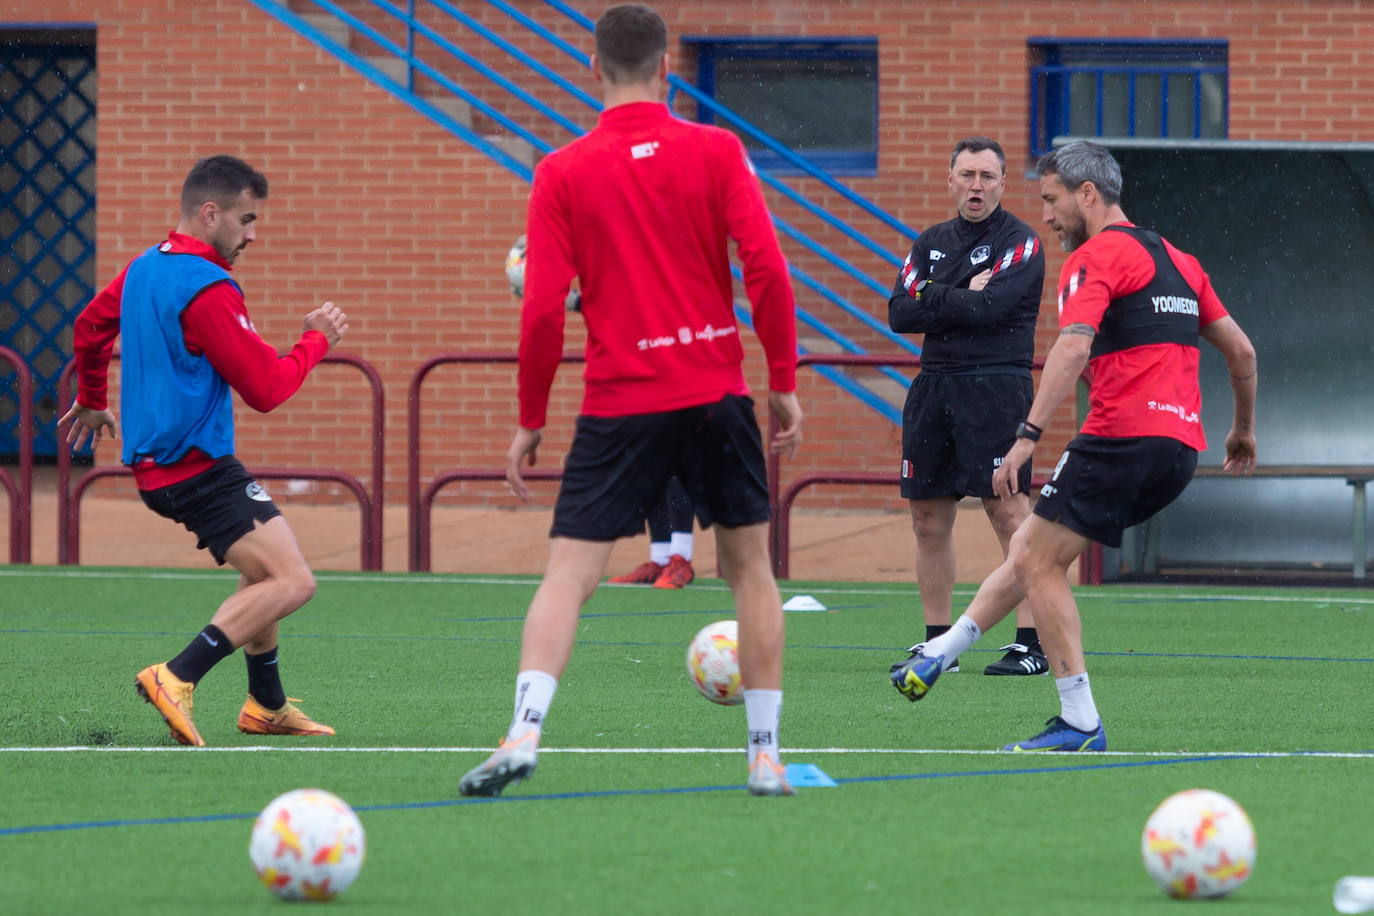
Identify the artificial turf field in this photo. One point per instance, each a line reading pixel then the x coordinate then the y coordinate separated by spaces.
pixel 638 804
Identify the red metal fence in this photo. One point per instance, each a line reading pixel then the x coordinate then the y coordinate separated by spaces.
pixel 421 503
pixel 21 491
pixel 369 505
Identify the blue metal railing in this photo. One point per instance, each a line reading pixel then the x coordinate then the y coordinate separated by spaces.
pixel 415 63
pixel 299 24
pixel 408 52
pixel 677 84
pixel 789 155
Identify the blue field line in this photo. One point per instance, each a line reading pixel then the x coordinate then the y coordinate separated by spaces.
pixel 1215 656
pixel 609 793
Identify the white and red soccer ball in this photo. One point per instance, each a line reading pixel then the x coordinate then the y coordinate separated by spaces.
pixel 1198 843
pixel 307 845
pixel 713 663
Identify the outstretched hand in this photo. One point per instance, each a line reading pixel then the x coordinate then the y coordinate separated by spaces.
pixel 88 425
pixel 525 442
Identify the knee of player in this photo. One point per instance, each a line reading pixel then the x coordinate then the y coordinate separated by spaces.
pixel 298 587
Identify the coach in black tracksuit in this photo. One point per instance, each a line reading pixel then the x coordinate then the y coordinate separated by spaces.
pixel 972 286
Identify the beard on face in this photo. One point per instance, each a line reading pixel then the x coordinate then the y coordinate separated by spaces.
pixel 1073 232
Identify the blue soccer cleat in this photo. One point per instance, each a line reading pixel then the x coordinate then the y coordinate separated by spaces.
pixel 914 679
pixel 1061 736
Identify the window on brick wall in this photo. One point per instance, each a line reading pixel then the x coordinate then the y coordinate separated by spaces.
pixel 817 96
pixel 1097 87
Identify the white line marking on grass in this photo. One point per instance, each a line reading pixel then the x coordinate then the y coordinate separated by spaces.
pixel 924 751
pixel 1095 592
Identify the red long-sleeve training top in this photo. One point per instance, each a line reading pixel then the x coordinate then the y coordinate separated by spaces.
pixel 215 324
pixel 641 211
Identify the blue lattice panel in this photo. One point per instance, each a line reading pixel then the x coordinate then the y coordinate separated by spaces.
pixel 47 218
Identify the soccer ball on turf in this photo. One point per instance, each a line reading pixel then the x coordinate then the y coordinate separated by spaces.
pixel 1198 843
pixel 307 845
pixel 713 663
pixel 515 267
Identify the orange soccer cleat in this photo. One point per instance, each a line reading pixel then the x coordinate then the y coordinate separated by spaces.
pixel 643 574
pixel 256 719
pixel 677 574
pixel 171 696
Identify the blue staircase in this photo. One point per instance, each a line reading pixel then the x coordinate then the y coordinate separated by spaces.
pixel 425 53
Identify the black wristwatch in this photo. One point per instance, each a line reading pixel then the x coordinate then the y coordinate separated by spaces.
pixel 1027 430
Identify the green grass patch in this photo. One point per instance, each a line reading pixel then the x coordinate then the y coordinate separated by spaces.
pixel 136 825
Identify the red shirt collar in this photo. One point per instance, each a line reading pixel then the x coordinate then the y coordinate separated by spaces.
pixel 189 244
pixel 633 115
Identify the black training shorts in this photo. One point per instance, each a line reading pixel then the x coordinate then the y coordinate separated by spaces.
pixel 1102 486
pixel 955 431
pixel 219 505
pixel 618 467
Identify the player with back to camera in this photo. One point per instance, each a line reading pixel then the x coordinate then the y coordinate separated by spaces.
pixel 669 520
pixel 187 341
pixel 1131 310
pixel 640 210
pixel 972 286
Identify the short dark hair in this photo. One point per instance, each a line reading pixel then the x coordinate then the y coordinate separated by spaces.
pixel 221 179
pixel 1082 161
pixel 630 40
pixel 977 145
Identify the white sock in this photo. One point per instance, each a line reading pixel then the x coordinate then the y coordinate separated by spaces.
pixel 1076 702
pixel 660 551
pixel 533 696
pixel 682 545
pixel 952 643
pixel 763 708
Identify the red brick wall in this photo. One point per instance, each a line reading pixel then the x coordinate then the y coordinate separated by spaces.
pixel 406 227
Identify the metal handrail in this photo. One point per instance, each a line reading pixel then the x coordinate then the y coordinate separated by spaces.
pixel 402 92
pixel 435 74
pixel 853 311
pixel 413 24
pixel 371 505
pixel 418 558
pixel 526 59
pixel 780 504
pixel 21 491
pixel 677 84
pixel 789 155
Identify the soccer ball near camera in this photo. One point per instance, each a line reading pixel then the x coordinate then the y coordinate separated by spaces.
pixel 1198 843
pixel 515 267
pixel 713 663
pixel 307 845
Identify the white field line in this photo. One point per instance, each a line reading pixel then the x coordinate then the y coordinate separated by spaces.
pixel 931 752
pixel 438 579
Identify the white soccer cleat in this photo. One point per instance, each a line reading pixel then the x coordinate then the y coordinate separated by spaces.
pixel 768 778
pixel 512 762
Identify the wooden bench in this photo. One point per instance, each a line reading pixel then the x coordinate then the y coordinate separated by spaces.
pixel 1357 476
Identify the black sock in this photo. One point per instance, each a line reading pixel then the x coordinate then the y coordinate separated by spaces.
pixel 1027 637
pixel 264 683
pixel 936 629
pixel 208 649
